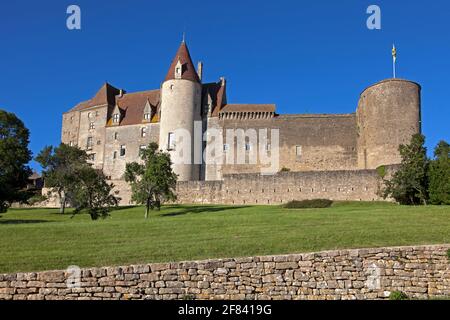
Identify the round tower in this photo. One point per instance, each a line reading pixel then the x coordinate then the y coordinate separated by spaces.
pixel 180 108
pixel 388 115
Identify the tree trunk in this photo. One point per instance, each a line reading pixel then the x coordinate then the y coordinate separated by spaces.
pixel 147 208
pixel 62 205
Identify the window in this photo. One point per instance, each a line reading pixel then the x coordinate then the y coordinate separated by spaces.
pixel 116 135
pixel 115 155
pixel 89 143
pixel 247 147
pixel 171 141
pixel 91 125
pixel 268 147
pixel 71 143
pixel 143 132
pixel 122 150
pixel 226 147
pixel 141 149
pixel 146 116
pixel 298 152
pixel 116 118
pixel 91 157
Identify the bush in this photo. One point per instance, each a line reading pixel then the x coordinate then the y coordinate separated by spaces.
pixel 37 198
pixel 305 204
pixel 381 170
pixel 448 254
pixel 284 169
pixel 398 295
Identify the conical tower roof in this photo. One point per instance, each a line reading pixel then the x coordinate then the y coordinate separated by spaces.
pixel 188 69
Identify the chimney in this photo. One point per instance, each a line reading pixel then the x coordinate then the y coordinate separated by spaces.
pixel 200 70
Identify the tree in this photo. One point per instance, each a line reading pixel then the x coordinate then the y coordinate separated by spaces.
pixel 61 166
pixel 439 175
pixel 409 184
pixel 14 156
pixel 152 182
pixel 92 193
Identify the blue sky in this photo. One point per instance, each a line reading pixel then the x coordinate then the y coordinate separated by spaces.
pixel 305 56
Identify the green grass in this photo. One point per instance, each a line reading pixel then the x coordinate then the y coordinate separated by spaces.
pixel 42 239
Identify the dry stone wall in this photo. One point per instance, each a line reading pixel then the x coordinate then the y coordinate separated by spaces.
pixel 420 272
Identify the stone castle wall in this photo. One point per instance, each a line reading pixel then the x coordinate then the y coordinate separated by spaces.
pixel 351 185
pixel 257 189
pixel 420 272
pixel 327 142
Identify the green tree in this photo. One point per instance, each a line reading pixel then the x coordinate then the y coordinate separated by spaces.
pixel 409 184
pixel 92 193
pixel 61 166
pixel 14 156
pixel 439 174
pixel 152 182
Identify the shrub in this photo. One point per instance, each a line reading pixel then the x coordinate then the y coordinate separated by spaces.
pixel 381 170
pixel 448 254
pixel 284 169
pixel 37 198
pixel 398 295
pixel 305 204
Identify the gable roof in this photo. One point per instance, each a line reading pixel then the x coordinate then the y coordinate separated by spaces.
pixel 188 69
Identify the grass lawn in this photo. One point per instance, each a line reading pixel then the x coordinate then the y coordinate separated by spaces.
pixel 43 239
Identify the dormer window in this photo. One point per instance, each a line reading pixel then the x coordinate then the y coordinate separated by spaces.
pixel 178 70
pixel 147 111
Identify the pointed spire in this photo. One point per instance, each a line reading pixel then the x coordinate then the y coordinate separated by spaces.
pixel 183 57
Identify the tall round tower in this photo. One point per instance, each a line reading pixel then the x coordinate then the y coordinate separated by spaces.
pixel 388 115
pixel 180 108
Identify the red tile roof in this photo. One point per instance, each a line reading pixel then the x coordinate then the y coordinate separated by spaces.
pixel 133 105
pixel 188 72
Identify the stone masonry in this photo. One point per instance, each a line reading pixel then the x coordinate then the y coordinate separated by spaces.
pixel 420 272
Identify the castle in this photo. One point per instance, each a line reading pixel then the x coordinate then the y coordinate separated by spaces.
pixel 317 155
